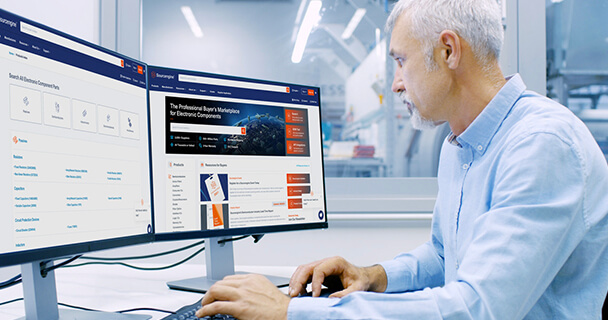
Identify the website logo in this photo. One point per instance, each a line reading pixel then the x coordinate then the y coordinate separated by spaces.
pixel 11 23
pixel 164 76
pixel 15 140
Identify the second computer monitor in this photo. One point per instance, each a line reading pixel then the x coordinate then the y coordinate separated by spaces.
pixel 234 156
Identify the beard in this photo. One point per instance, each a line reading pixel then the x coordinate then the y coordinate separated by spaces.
pixel 418 122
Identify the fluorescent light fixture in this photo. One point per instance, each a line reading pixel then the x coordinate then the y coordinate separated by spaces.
pixel 196 29
pixel 298 19
pixel 300 11
pixel 354 22
pixel 311 18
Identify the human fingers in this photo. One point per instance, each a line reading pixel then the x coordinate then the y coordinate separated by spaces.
pixel 343 293
pixel 300 278
pixel 328 269
pixel 220 291
pixel 316 284
pixel 315 273
pixel 217 307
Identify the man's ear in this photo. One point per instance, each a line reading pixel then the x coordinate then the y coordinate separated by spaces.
pixel 451 49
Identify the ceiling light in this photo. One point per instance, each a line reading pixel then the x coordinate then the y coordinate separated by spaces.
pixel 196 29
pixel 298 19
pixel 354 22
pixel 311 18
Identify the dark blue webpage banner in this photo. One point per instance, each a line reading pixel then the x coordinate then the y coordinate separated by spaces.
pixel 215 85
pixel 124 69
pixel 200 126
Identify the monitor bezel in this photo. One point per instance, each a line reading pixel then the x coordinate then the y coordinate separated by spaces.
pixel 62 251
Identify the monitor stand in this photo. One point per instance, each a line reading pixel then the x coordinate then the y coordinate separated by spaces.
pixel 219 261
pixel 40 297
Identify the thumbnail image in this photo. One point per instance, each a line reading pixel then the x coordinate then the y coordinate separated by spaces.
pixel 214 187
pixel 214 216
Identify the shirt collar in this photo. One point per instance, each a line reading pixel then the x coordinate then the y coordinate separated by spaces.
pixel 481 131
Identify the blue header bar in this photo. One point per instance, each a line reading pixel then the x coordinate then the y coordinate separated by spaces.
pixel 208 84
pixel 35 38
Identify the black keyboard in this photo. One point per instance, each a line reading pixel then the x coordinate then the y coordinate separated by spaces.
pixel 189 313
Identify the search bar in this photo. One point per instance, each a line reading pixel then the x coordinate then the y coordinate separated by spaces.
pixel 207 128
pixel 232 83
pixel 64 42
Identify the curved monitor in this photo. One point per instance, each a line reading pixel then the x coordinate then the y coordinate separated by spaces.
pixel 234 156
pixel 75 145
pixel 75 149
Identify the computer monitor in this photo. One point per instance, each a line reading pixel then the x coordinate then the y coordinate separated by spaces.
pixel 233 156
pixel 75 145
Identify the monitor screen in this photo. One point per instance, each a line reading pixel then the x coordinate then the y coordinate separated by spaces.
pixel 75 145
pixel 234 156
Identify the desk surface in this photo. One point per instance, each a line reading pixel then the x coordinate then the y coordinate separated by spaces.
pixel 113 288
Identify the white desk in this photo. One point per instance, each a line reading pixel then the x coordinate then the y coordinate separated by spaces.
pixel 113 288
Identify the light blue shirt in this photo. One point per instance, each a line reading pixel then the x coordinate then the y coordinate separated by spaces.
pixel 520 226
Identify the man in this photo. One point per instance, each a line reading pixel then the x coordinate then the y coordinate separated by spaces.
pixel 520 226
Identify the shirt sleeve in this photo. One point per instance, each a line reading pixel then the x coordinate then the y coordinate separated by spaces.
pixel 518 246
pixel 421 268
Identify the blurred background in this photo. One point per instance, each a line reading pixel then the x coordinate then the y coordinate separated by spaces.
pixel 559 47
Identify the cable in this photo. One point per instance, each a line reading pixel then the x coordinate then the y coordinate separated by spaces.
pixel 17 279
pixel 146 309
pixel 146 256
pixel 16 282
pixel 256 238
pixel 89 309
pixel 100 260
pixel 10 301
pixel 44 271
pixel 77 307
pixel 121 311
pixel 140 268
pixel 11 282
pixel 232 239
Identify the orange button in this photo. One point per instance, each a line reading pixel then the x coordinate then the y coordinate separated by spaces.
pixel 297 191
pixel 298 178
pixel 295 132
pixel 140 69
pixel 294 203
pixel 297 147
pixel 295 116
pixel 311 92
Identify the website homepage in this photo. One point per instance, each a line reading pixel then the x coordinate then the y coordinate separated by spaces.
pixel 234 153
pixel 75 141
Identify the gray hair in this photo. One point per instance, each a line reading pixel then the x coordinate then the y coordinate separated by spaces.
pixel 479 22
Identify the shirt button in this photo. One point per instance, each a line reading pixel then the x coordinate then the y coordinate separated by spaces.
pixel 465 166
pixel 479 147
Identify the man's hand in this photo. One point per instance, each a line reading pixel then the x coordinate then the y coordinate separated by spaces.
pixel 245 297
pixel 325 271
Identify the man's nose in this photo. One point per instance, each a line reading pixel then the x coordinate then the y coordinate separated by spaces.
pixel 397 83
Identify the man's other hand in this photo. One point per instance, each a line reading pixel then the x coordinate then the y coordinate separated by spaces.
pixel 324 272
